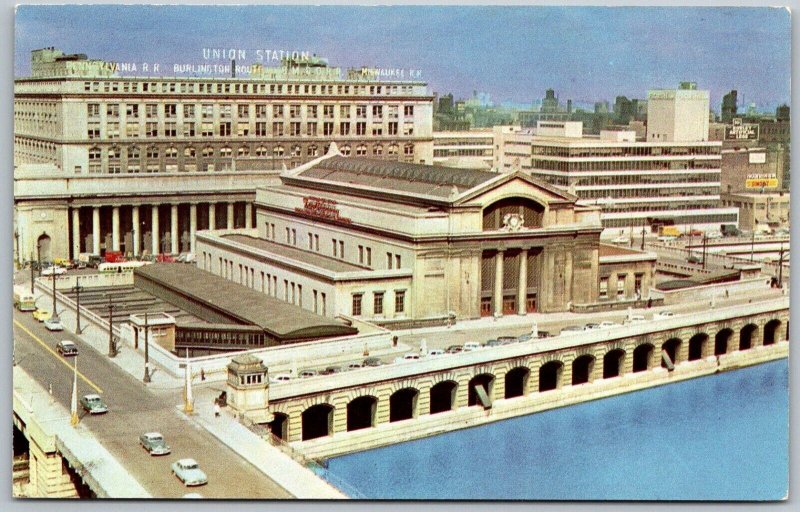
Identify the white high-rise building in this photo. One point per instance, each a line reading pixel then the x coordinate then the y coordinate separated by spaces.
pixel 678 115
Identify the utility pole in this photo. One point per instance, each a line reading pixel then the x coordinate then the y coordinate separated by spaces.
pixel 77 289
pixel 780 267
pixel 74 402
pixel 32 276
pixel 752 242
pixel 642 236
pixel 146 378
pixel 112 350
pixel 55 313
pixel 188 406
pixel 705 244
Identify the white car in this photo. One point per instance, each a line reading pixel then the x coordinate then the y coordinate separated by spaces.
pixel 635 319
pixel 607 324
pixel 189 472
pixel 662 315
pixel 280 377
pixel 435 352
pixel 53 324
pixel 54 269
pixel 713 234
pixel 471 346
pixel 622 240
pixel 406 358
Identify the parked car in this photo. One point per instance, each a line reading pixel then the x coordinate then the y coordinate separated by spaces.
pixel 280 377
pixel 355 365
pixel 454 349
pixel 621 240
pixel 435 352
pixel 373 361
pixel 507 340
pixel 54 269
pixel 154 443
pixel 471 346
pixel 713 235
pixel 661 315
pixel 53 324
pixel 492 343
pixel 573 329
pixel 635 319
pixel 524 337
pixel 308 373
pixel 67 348
pixel 42 314
pixel 93 404
pixel 608 324
pixel 189 472
pixel 407 357
pixel 591 327
pixel 330 370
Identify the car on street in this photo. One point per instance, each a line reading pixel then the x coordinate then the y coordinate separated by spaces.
pixel 662 315
pixel 304 374
pixel 54 269
pixel 280 377
pixel 454 349
pixel 330 370
pixel 714 234
pixel 471 346
pixel 373 361
pixel 635 319
pixel 607 324
pixel 405 358
pixel 524 337
pixel 436 352
pixel 492 343
pixel 67 348
pixel 42 314
pixel 621 240
pixel 573 329
pixel 53 324
pixel 93 404
pixel 591 326
pixel 507 340
pixel 355 365
pixel 188 471
pixel 154 443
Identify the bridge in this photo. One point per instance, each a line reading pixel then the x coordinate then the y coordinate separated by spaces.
pixel 335 414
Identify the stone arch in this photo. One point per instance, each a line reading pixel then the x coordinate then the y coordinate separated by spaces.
pixel 361 412
pixel 44 247
pixel 698 346
pixel 772 331
pixel 517 382
pixel 443 396
pixel 403 404
pixel 279 426
pixel 317 421
pixel 550 375
pixel 672 347
pixel 722 341
pixel 582 369
pixel 643 357
pixel 530 210
pixel 482 379
pixel 746 336
pixel 613 363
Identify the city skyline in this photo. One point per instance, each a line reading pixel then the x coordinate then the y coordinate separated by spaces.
pixel 621 51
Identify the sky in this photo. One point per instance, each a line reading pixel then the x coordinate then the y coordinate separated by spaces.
pixel 586 54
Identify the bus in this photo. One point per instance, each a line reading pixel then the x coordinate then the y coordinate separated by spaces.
pixel 24 299
pixel 125 266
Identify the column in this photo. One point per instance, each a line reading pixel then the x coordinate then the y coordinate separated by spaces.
pixel 136 229
pixel 522 287
pixel 115 228
pixel 192 227
pixel 76 233
pixel 230 216
pixel 95 230
pixel 248 215
pixel 155 234
pixel 212 215
pixel 498 283
pixel 173 218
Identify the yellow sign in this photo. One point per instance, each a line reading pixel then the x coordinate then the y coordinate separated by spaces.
pixel 762 183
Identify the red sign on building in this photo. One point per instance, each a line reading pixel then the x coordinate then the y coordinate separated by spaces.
pixel 322 208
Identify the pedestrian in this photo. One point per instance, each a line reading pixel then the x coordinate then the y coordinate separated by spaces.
pixel 216 410
pixel 202 374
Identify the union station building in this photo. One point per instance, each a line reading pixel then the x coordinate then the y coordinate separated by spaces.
pixel 407 244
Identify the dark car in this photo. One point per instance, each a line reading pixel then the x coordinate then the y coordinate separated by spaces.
pixel 507 340
pixel 454 349
pixel 373 361
pixel 67 348
pixel 331 370
pixel 492 343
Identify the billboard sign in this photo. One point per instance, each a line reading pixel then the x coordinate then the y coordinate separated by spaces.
pixel 741 131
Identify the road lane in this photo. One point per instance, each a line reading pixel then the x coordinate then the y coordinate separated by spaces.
pixel 133 410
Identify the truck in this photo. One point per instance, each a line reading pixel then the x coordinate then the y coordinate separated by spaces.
pixel 729 230
pixel 114 257
pixel 24 299
pixel 669 231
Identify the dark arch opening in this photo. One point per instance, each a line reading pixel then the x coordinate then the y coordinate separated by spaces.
pixel 529 210
pixel 613 363
pixel 771 331
pixel 279 426
pixel 671 347
pixel 643 357
pixel 403 404
pixel 517 382
pixel 43 248
pixel 317 421
pixel 582 368
pixel 361 413
pixel 746 336
pixel 697 346
pixel 721 341
pixel 486 380
pixel 550 375
pixel 443 396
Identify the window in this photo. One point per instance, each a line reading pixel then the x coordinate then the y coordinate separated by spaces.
pixel 151 110
pixel 369 256
pixel 294 129
pixel 357 304
pixel 311 129
pixel 171 152
pixel 224 129
pixel 261 111
pixel 243 129
pixel 361 150
pixel 327 128
pixel 188 130
pixel 361 128
pixel 243 111
pixel 603 287
pixel 277 151
pixel 207 111
pixel 277 129
pixel 389 260
pixel 225 111
pixel 396 261
pixel 335 247
pixel 327 111
pixel 188 111
pixel 345 150
pixel 621 286
pixel 377 150
pixel 344 128
pixel 344 111
pixel 313 150
pixel 311 111
pixel 361 254
pixel 93 109
pixel 377 112
pixel 638 285
pixel 277 110
pixel 170 129
pixel 132 111
pixel 152 152
pixel 377 306
pixel 294 110
pixel 189 152
pixel 93 131
pixel 261 129
pixel 112 110
pixel 262 150
pixel 207 129
pixel 399 301
pixel 341 248
pixel 243 151
pixel 170 110
pixel 151 129
pixel 361 111
pixel 408 110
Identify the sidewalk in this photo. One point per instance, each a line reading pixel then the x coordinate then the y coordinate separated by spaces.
pixel 98 468
pixel 289 474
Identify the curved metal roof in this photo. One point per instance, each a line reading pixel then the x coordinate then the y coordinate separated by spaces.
pixel 436 175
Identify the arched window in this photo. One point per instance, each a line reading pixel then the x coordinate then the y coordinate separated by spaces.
pixel 262 151
pixel 277 151
pixel 94 154
pixel 133 153
pixel 393 149
pixel 346 150
pixel 494 215
pixel 225 152
pixel 208 151
pixel 171 152
pixel 297 150
pixel 408 149
pixel 313 150
pixel 361 150
pixel 189 152
pixel 377 150
pixel 243 151
pixel 152 152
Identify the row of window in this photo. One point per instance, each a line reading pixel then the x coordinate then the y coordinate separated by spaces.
pixel 463 152
pixel 625 165
pixel 620 286
pixel 731 218
pixel 200 337
pixel 243 88
pixel 662 192
pixel 377 303
pixel 246 111
pixel 644 179
pixel 636 150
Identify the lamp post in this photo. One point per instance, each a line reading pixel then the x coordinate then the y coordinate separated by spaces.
pixel 752 242
pixel 32 276
pixel 17 253
pixel 642 236
pixel 55 313
pixel 77 289
pixel 112 349
pixel 780 267
pixel 705 245
pixel 74 402
pixel 146 377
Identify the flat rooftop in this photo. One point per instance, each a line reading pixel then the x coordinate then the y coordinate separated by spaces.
pixel 293 253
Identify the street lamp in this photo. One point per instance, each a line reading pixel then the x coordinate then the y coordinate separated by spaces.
pixel 112 349
pixel 146 378
pixel 77 289
pixel 55 313
pixel 32 276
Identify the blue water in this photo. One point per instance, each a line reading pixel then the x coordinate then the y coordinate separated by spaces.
pixel 722 437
